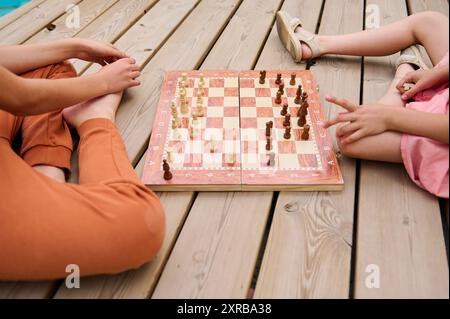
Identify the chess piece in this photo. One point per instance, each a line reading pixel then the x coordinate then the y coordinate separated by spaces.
pixel 212 146
pixel 302 120
pixel 184 77
pixel 268 144
pixel 287 133
pixel 284 110
pixel 278 80
pixel 184 109
pixel 262 77
pixel 200 105
pixel 202 80
pixel 169 155
pixel 278 98
pixel 293 76
pixel 287 120
pixel 271 161
pixel 298 95
pixel 305 134
pixel 167 173
pixel 304 96
pixel 281 88
pixel 269 126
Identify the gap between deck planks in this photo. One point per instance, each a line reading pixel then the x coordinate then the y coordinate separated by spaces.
pixel 90 10
pixel 21 29
pixel 192 34
pixel 402 235
pixel 14 15
pixel 308 251
pixel 215 254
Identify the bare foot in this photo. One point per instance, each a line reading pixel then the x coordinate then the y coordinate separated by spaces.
pixel 306 50
pixel 101 107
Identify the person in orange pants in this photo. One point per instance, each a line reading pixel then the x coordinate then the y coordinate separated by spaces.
pixel 107 224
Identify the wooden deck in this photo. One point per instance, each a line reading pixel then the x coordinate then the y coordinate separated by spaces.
pixel 257 245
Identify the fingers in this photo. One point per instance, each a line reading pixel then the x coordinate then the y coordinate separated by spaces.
pixel 349 106
pixel 408 78
pixel 135 74
pixel 353 137
pixel 341 118
pixel 412 92
pixel 347 129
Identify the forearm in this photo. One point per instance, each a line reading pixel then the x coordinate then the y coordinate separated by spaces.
pixel 22 58
pixel 21 96
pixel 433 126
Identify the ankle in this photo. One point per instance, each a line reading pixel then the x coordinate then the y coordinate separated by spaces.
pixel 52 172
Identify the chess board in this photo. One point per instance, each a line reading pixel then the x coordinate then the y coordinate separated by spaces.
pixel 225 149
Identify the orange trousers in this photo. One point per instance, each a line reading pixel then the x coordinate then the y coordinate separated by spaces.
pixel 107 224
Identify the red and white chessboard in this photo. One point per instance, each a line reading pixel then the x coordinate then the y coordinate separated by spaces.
pixel 226 148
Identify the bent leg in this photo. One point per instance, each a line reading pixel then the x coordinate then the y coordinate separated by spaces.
pixel 47 143
pixel 384 147
pixel 109 224
pixel 429 29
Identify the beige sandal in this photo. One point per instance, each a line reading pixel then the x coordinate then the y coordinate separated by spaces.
pixel 286 26
pixel 413 56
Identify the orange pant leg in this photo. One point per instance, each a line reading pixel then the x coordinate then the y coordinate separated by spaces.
pixel 109 224
pixel 46 137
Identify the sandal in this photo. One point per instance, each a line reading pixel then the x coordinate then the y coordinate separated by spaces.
pixel 413 56
pixel 286 26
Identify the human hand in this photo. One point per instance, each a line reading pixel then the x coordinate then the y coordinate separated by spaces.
pixel 422 80
pixel 360 121
pixel 120 75
pixel 97 52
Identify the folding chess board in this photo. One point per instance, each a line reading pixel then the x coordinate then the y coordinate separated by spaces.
pixel 225 148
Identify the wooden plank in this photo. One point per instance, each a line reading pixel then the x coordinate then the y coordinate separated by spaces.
pixel 34 20
pixel 26 290
pixel 136 283
pixel 89 11
pixel 185 49
pixel 400 235
pixel 140 283
pixel 113 23
pixel 416 6
pixel 317 226
pixel 14 15
pixel 144 39
pixel 218 229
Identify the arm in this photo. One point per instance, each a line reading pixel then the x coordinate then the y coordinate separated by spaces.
pixel 374 119
pixel 22 96
pixel 22 58
pixel 433 126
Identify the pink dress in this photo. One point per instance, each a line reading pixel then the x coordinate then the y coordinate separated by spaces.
pixel 426 160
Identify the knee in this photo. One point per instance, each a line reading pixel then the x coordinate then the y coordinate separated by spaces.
pixel 430 17
pixel 142 229
pixel 62 69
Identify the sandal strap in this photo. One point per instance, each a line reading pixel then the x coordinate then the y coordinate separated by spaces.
pixel 411 55
pixel 312 44
pixel 295 22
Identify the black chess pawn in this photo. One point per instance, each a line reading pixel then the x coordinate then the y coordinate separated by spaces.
pixel 269 126
pixel 271 161
pixel 262 77
pixel 278 80
pixel 287 133
pixel 281 88
pixel 284 110
pixel 293 76
pixel 268 144
pixel 278 98
pixel 305 134
pixel 287 120
pixel 304 96
pixel 301 120
pixel 167 173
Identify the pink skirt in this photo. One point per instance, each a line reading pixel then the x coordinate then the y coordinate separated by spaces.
pixel 426 160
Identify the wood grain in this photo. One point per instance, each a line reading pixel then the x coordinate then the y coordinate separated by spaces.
pixel 89 12
pixel 308 251
pixel 219 243
pixel 113 23
pixel 21 29
pixel 140 283
pixel 402 233
pixel 14 15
